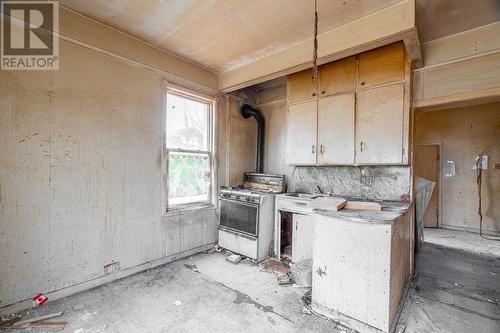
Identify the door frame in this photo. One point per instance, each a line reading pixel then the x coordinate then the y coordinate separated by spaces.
pixel 440 183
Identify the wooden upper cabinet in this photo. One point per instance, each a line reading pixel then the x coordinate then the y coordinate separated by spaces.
pixel 300 87
pixel 301 129
pixel 379 125
pixel 337 77
pixel 336 129
pixel 381 66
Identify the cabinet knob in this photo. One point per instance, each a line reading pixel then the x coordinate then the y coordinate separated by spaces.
pixel 323 92
pixel 314 94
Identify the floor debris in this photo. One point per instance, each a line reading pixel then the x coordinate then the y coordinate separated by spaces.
pixel 39 299
pixel 234 258
pixel 9 321
pixel 36 319
pixel 284 279
pixel 307 298
pixel 212 250
pixel 275 266
pixel 302 273
pixel 192 267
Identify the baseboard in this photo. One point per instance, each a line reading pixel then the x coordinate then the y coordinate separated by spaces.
pixel 74 289
pixel 344 320
pixel 471 230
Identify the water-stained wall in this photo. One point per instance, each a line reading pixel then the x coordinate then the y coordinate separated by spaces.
pixel 81 176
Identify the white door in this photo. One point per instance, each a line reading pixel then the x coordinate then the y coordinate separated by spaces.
pixel 301 132
pixel 379 125
pixel 302 237
pixel 336 129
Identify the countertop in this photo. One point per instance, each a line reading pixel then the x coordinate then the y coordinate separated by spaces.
pixel 391 211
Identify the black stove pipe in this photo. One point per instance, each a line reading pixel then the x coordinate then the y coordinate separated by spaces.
pixel 248 111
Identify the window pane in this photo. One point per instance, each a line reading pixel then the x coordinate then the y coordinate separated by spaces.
pixel 189 178
pixel 187 123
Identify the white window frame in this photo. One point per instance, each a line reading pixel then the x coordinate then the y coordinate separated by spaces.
pixel 212 103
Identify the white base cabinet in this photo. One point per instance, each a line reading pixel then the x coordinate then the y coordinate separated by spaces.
pixel 302 237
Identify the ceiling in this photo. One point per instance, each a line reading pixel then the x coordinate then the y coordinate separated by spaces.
pixel 226 34
pixel 440 18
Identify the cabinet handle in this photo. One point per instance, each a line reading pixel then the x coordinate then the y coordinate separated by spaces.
pixel 323 92
pixel 313 150
pixel 321 149
pixel 361 146
pixel 314 94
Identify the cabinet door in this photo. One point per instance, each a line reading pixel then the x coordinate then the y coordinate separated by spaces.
pixel 379 125
pixel 381 66
pixel 301 132
pixel 302 237
pixel 337 77
pixel 300 87
pixel 336 129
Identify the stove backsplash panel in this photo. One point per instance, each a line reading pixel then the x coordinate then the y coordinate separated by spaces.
pixel 370 182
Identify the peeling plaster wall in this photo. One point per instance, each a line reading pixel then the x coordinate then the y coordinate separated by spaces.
pixel 389 182
pixel 465 133
pixel 81 176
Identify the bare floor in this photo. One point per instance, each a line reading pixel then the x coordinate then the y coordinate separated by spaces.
pixel 203 293
pixel 456 290
pixel 457 285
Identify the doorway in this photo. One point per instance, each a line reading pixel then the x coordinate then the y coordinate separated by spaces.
pixel 428 166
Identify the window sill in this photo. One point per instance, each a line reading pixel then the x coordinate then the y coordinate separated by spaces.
pixel 198 206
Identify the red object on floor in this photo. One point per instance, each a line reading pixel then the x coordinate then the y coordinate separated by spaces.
pixel 39 299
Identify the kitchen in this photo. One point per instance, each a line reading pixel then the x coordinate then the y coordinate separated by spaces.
pixel 348 208
pixel 250 166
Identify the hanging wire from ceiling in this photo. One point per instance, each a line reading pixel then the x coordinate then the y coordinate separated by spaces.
pixel 315 49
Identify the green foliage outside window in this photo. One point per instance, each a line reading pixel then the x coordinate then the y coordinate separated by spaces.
pixel 188 175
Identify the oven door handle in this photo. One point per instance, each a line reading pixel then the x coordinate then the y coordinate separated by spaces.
pixel 250 204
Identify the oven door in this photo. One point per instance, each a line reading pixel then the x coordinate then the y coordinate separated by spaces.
pixel 239 216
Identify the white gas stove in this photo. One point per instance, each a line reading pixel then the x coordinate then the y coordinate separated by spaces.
pixel 247 215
